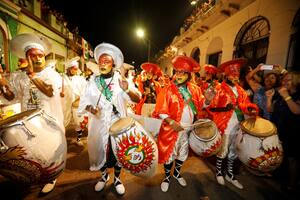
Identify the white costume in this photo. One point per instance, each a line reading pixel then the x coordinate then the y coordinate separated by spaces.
pixel 98 127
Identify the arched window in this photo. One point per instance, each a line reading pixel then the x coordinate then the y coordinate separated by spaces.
pixel 196 54
pixel 293 61
pixel 252 41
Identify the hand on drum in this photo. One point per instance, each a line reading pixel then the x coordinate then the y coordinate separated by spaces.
pixel 252 112
pixel 93 110
pixel 174 125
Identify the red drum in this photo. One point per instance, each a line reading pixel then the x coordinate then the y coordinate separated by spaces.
pixel 205 139
pixel 258 145
pixel 134 148
pixel 32 147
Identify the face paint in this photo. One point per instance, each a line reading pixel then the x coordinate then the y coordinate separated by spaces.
pixel 181 77
pixel 105 64
pixel 37 57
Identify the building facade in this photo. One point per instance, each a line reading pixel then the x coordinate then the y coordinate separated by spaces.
pixel 34 16
pixel 263 31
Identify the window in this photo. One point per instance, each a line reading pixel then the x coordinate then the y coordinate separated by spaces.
pixel 215 58
pixel 3 50
pixel 293 61
pixel 252 41
pixel 196 54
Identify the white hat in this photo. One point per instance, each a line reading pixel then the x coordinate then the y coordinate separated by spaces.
pixel 73 62
pixel 113 51
pixel 20 44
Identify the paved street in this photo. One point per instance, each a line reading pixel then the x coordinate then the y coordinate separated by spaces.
pixel 77 182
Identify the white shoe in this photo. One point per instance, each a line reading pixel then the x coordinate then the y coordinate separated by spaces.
pixel 101 184
pixel 220 180
pixel 48 187
pixel 164 186
pixel 181 181
pixel 120 187
pixel 93 168
pixel 235 182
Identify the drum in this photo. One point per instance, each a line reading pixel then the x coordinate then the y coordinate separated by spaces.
pixel 205 139
pixel 32 148
pixel 258 145
pixel 133 147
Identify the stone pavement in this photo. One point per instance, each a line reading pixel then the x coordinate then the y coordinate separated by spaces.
pixel 77 182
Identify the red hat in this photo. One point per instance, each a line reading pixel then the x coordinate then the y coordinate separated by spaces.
pixel 151 67
pixel 210 69
pixel 232 67
pixel 186 64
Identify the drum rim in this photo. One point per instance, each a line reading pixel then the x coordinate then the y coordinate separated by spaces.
pixel 266 134
pixel 4 123
pixel 205 140
pixel 123 129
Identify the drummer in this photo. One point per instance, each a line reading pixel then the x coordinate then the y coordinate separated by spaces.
pixel 37 89
pixel 149 88
pixel 77 84
pixel 104 100
pixel 228 104
pixel 177 104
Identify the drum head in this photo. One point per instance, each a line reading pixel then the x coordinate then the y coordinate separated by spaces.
pixel 258 127
pixel 205 130
pixel 19 116
pixel 121 125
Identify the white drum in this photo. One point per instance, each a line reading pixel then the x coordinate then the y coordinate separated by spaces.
pixel 32 147
pixel 133 147
pixel 205 139
pixel 258 145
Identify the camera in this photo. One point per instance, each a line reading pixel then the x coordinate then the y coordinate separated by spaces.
pixel 266 67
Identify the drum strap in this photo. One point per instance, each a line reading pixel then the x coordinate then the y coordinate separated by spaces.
pixel 187 98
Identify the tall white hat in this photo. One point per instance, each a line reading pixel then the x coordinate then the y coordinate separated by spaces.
pixel 20 44
pixel 113 51
pixel 73 62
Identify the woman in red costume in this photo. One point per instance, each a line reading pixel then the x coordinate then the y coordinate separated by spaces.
pixel 148 87
pixel 227 109
pixel 177 104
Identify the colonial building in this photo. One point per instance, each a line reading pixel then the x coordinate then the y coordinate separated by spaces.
pixel 263 31
pixel 35 16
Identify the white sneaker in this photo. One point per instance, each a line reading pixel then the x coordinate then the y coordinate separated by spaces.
pixel 101 184
pixel 164 186
pixel 220 180
pixel 48 187
pixel 181 181
pixel 120 187
pixel 235 182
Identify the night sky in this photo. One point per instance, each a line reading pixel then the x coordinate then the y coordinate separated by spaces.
pixel 116 21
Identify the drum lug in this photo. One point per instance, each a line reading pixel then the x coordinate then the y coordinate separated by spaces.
pixel 28 131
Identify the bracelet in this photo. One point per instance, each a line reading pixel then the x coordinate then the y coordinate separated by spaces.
pixel 287 98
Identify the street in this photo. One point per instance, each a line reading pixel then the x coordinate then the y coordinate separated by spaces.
pixel 77 182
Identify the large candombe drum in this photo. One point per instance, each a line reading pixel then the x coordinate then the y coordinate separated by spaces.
pixel 258 145
pixel 205 139
pixel 133 147
pixel 32 147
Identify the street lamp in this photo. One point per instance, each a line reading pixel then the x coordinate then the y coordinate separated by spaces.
pixel 140 33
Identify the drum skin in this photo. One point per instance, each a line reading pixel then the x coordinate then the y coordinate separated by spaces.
pixel 33 150
pixel 208 145
pixel 134 148
pixel 263 154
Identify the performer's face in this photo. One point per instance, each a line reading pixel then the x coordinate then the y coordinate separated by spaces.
pixel 181 77
pixel 149 75
pixel 234 78
pixel 74 71
pixel 208 76
pixel 37 58
pixel 105 63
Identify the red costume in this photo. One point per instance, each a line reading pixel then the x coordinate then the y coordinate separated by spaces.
pixel 156 71
pixel 171 102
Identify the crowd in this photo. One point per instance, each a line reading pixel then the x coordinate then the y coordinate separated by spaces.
pixel 101 102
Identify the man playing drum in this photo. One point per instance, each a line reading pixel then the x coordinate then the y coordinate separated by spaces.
pixel 104 100
pixel 77 84
pixel 177 104
pixel 228 104
pixel 38 89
